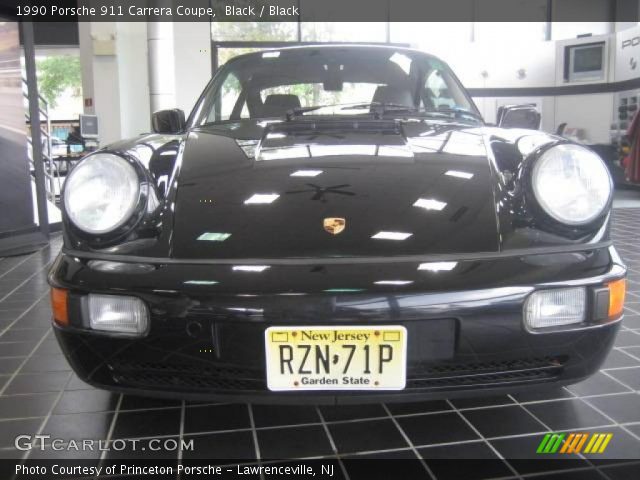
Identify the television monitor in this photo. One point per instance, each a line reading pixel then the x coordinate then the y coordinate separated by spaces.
pixel 88 126
pixel 586 62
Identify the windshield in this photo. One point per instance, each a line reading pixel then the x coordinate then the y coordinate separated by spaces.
pixel 333 81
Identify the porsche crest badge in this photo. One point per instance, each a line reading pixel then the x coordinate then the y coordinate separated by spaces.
pixel 334 225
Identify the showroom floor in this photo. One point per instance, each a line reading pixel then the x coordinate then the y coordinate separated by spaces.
pixel 39 394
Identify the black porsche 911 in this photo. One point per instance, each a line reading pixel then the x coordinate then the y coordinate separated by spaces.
pixel 336 224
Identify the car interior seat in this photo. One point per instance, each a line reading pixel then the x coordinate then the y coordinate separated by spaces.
pixel 386 94
pixel 277 104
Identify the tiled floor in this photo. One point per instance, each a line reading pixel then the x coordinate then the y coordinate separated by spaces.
pixel 39 394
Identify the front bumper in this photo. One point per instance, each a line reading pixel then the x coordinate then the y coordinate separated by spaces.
pixel 465 330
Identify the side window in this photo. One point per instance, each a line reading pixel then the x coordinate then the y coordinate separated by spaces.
pixel 226 102
pixel 437 91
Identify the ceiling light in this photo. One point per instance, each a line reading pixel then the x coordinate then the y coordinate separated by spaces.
pixel 201 282
pixel 393 282
pixel 429 204
pixel 306 173
pixel 438 266
pixel 459 174
pixel 262 198
pixel 250 268
pixel 392 235
pixel 214 236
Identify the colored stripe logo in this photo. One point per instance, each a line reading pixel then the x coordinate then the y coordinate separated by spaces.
pixel 574 443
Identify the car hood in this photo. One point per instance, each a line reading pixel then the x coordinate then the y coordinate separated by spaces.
pixel 335 190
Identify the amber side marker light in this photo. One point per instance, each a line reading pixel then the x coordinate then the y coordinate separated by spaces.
pixel 59 306
pixel 617 291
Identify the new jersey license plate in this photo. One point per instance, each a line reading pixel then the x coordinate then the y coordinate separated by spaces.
pixel 336 358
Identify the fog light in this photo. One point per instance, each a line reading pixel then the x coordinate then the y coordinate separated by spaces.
pixel 554 308
pixel 118 314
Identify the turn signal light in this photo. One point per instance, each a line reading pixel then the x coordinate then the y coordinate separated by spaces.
pixel 617 292
pixel 59 306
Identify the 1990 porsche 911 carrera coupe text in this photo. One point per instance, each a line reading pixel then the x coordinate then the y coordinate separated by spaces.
pixel 336 224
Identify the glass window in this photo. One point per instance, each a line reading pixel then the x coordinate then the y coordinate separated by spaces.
pixel 429 36
pixel 254 31
pixel 515 32
pixel 339 80
pixel 568 30
pixel 344 31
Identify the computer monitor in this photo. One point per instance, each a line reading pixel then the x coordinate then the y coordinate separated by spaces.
pixel 88 126
pixel 586 62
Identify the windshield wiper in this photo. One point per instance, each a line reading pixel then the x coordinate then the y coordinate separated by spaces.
pixel 294 112
pixel 456 111
pixel 380 108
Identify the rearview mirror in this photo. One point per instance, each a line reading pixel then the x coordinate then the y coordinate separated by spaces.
pixel 168 121
pixel 518 116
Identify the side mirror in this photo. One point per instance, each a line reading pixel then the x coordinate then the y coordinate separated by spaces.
pixel 519 116
pixel 168 121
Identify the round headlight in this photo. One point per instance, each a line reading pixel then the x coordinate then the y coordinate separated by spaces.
pixel 572 184
pixel 101 193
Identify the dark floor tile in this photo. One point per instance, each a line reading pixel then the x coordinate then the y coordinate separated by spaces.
pixel 627 339
pixel 588 474
pixel 418 407
pixel 46 363
pixel 635 429
pixel 521 454
pixel 16 349
pixel 351 412
pixel 628 376
pixel 622 408
pixel 473 402
pixel 37 382
pixel 503 421
pixel 76 384
pixel 397 465
pixel 622 472
pixel 49 347
pixel 46 452
pixel 221 446
pixel 147 423
pixel 616 359
pixel 24 335
pixel 541 394
pixel 9 365
pixel 22 406
pixel 621 446
pixel 567 414
pixel 631 321
pixel 400 454
pixel 81 401
pixel 79 426
pixel 597 384
pixel 436 428
pixel 216 418
pixel 480 462
pixel 278 415
pixel 133 402
pixel 10 429
pixel 351 437
pixel 293 442
pixel 157 449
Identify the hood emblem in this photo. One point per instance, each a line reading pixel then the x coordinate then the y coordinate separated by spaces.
pixel 334 225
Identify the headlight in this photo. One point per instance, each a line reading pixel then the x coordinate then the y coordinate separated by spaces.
pixel 572 184
pixel 101 193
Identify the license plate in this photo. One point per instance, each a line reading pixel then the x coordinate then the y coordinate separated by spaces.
pixel 336 358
